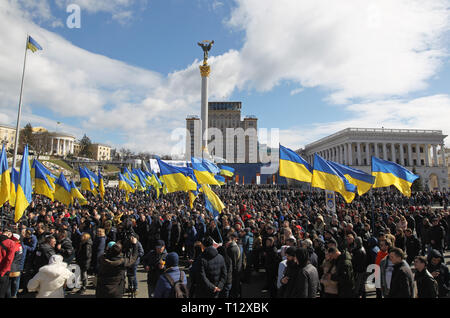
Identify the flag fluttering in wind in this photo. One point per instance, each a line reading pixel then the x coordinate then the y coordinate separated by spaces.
pixel 5 178
pixel 174 178
pixel 76 194
pixel 41 184
pixel 293 166
pixel 62 190
pixel 24 188
pixel 363 181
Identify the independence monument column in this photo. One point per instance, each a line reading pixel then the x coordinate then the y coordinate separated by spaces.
pixel 204 71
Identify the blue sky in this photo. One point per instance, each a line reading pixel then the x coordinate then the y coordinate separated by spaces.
pixel 129 76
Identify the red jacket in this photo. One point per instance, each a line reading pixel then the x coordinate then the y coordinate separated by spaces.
pixel 6 257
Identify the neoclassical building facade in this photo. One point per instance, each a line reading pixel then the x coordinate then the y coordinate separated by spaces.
pixel 412 148
pixel 56 143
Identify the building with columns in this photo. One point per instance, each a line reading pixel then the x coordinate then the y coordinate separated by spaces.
pixel 55 143
pixel 411 148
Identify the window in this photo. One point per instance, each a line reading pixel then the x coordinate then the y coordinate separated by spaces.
pixel 421 149
pixel 413 149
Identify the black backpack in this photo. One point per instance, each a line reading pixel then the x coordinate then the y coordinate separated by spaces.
pixel 179 289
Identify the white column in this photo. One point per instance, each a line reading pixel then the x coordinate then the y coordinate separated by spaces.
pixel 410 161
pixel 393 152
pixel 418 155
pixel 51 146
pixel 358 152
pixel 427 155
pixel 384 151
pixel 64 147
pixel 343 154
pixel 350 155
pixel 435 156
pixel 368 153
pixel 71 147
pixel 337 157
pixel 443 155
pixel 375 145
pixel 57 146
pixel 402 155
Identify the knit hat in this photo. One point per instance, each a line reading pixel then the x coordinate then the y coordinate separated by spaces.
pixel 110 244
pixel 172 260
pixel 16 236
pixel 160 243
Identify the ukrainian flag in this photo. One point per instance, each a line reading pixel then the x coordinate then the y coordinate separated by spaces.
pixel 389 173
pixel 14 184
pixel 93 176
pixel 363 181
pixel 33 45
pixel 41 184
pixel 192 196
pixel 5 178
pixel 203 175
pixel 293 166
pixel 174 179
pixel 24 188
pixel 50 176
pixel 211 166
pixel 220 179
pixel 327 178
pixel 101 185
pixel 140 179
pixel 86 181
pixel 62 190
pixel 212 202
pixel 226 171
pixel 126 184
pixel 76 194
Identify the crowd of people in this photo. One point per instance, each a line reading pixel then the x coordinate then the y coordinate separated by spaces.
pixel 306 250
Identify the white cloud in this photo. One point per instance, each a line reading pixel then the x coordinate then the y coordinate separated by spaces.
pixel 356 49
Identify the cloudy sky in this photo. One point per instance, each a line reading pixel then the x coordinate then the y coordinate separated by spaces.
pixel 129 75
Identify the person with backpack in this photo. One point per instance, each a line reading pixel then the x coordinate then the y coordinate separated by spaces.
pixel 172 283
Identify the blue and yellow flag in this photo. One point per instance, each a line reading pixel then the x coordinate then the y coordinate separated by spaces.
pixel 174 178
pixel 41 184
pixel 126 184
pixel 5 178
pixel 140 179
pixel 24 188
pixel 76 194
pixel 101 185
pixel 212 202
pixel 327 178
pixel 93 176
pixel 50 176
pixel 389 173
pixel 62 190
pixel 220 179
pixel 293 166
pixel 211 166
pixel 86 181
pixel 14 184
pixel 363 181
pixel 33 45
pixel 203 175
pixel 226 171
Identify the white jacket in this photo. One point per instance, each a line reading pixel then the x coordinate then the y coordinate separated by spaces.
pixel 50 279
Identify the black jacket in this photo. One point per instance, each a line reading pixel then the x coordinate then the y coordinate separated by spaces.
pixel 402 282
pixel 84 255
pixel 427 286
pixel 213 273
pixel 413 247
pixel 344 275
pixel 66 250
pixel 98 249
pixel 152 259
pixel 43 255
pixel 234 252
pixel 271 261
pixel 111 274
pixel 443 278
pixel 359 257
pixel 437 234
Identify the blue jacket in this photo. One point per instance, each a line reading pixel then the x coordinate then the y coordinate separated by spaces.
pixel 163 287
pixel 28 250
pixel 247 242
pixel 192 236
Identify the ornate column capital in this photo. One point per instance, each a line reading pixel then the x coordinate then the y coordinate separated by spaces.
pixel 205 70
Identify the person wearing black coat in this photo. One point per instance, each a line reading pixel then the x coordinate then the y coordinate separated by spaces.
pixel 64 247
pixel 111 272
pixel 175 236
pixel 344 272
pixel 236 253
pixel 412 246
pixel 44 251
pixel 437 235
pixel 440 272
pixel 166 232
pixel 359 262
pixel 427 287
pixel 143 230
pixel 98 249
pixel 213 272
pixel 83 259
pixel 402 281
pixel 194 270
pixel 155 232
pixel 271 261
pixel 153 263
pixel 225 292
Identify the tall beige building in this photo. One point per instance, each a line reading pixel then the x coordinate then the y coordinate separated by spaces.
pixel 229 136
pixel 101 152
pixel 7 136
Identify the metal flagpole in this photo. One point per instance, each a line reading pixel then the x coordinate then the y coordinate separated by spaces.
pixel 16 141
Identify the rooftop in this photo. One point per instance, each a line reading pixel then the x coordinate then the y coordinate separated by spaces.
pixel 224 105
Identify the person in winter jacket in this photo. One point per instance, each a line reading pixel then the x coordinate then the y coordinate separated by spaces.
pixel 308 276
pixel 440 272
pixel 313 259
pixel 154 265
pixel 402 281
pixel 329 287
pixel 359 261
pixel 132 270
pixel 44 252
pixel 163 287
pixel 111 272
pixel 247 245
pixel 51 279
pixel 16 269
pixel 7 253
pixel 271 261
pixel 412 246
pixel 98 249
pixel 194 270
pixel 236 254
pixel 64 247
pixel 427 287
pixel 437 235
pixel 344 272
pixel 84 258
pixel 190 239
pixel 213 272
pixel 29 245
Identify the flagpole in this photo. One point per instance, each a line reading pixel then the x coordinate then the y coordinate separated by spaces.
pixel 16 141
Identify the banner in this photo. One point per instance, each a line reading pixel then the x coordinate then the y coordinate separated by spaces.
pixel 330 201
